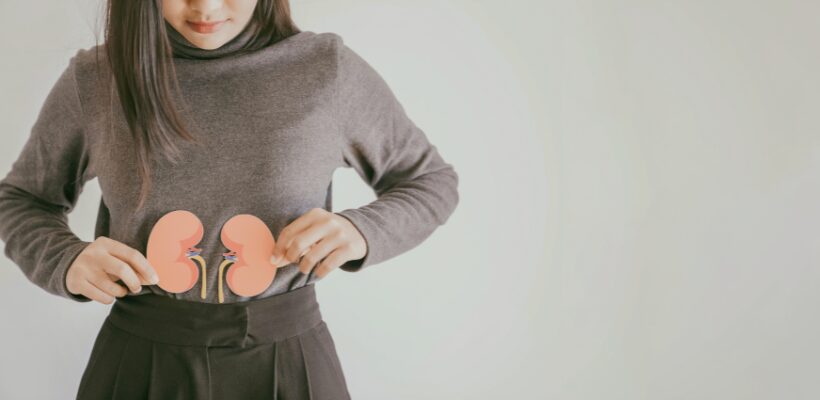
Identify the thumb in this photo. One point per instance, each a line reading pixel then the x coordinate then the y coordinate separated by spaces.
pixel 276 259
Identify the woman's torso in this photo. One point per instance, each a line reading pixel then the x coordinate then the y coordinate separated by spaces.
pixel 268 147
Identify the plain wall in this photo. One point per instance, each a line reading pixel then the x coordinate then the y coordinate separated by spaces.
pixel 639 214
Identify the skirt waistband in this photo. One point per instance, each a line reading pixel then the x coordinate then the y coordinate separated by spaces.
pixel 189 323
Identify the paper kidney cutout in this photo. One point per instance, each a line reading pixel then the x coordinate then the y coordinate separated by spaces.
pixel 250 244
pixel 172 253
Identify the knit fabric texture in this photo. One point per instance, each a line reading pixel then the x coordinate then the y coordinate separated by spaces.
pixel 271 126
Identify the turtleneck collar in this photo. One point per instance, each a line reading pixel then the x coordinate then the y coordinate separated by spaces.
pixel 182 48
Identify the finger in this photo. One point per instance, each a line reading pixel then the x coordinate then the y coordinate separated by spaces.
pixel 106 282
pixel 283 261
pixel 123 271
pixel 288 233
pixel 135 259
pixel 302 243
pixel 317 253
pixel 91 291
pixel 279 262
pixel 332 261
pixel 118 281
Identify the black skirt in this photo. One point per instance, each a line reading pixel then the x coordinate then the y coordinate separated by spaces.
pixel 156 347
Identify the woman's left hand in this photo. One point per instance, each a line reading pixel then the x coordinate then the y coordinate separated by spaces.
pixel 320 239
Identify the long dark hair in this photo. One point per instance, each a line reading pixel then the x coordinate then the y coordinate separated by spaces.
pixel 140 57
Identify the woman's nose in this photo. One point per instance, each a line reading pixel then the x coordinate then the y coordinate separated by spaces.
pixel 205 7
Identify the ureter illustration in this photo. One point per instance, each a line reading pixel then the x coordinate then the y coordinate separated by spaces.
pixel 229 258
pixel 194 255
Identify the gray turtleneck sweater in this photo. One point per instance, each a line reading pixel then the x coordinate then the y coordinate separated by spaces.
pixel 273 124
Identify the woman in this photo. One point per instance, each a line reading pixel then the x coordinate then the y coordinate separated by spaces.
pixel 221 122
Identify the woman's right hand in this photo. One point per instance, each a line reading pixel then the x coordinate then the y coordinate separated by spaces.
pixel 95 271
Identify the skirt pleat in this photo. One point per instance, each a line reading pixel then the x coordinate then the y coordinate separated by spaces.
pixel 275 376
pixel 243 373
pixel 101 374
pixel 157 349
pixel 309 368
pixel 138 368
pixel 306 365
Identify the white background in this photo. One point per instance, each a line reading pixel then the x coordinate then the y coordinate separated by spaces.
pixel 639 214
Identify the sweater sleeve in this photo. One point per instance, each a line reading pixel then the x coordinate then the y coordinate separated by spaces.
pixel 416 189
pixel 42 187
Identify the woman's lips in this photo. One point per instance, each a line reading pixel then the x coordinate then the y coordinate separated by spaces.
pixel 205 27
